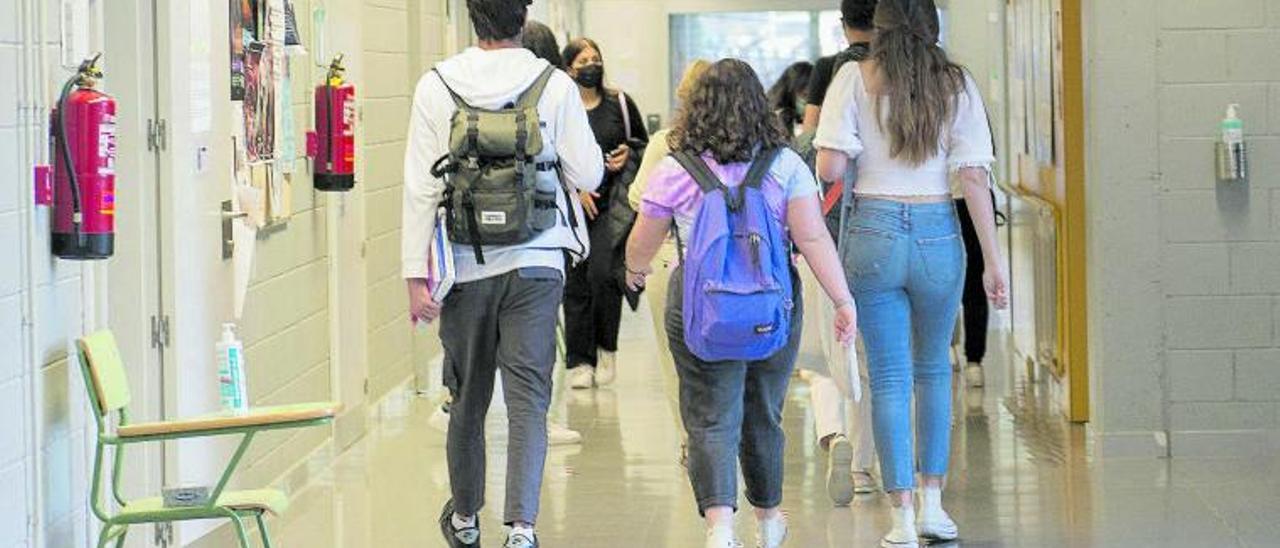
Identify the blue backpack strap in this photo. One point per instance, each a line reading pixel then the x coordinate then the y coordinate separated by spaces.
pixel 760 168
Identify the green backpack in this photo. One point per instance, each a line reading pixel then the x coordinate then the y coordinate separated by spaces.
pixel 492 194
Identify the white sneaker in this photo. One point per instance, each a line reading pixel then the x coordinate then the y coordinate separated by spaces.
pixel 561 435
pixel 974 376
pixel 606 367
pixel 722 537
pixel 863 482
pixel 903 533
pixel 582 377
pixel 771 532
pixel 935 524
pixel 839 480
pixel 439 419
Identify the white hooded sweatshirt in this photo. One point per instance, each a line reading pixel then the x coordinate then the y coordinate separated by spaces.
pixel 491 79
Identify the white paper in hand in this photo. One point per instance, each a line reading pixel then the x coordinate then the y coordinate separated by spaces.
pixel 851 369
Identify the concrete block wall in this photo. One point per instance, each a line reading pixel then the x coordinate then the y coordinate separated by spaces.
pixel 59 294
pixel 387 91
pixel 1186 289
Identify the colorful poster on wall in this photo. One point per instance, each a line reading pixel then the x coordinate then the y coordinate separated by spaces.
pixel 259 102
pixel 242 33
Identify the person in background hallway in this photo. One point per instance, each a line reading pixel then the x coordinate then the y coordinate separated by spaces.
pixel 654 154
pixel 788 95
pixel 732 410
pixel 592 297
pixel 977 313
pixel 855 15
pixel 843 433
pixel 500 315
pixel 910 117
pixel 541 40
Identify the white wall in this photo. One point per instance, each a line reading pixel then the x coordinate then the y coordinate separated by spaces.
pixel 1184 276
pixel 44 304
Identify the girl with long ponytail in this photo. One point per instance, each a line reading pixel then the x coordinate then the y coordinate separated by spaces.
pixel 912 119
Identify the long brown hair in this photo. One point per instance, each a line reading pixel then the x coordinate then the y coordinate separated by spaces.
pixel 921 83
pixel 727 115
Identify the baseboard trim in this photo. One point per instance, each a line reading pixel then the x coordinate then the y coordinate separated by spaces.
pixel 1134 444
pixel 1225 443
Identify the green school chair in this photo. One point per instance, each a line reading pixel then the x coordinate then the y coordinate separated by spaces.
pixel 108 388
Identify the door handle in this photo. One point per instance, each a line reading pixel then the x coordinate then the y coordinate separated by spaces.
pixel 228 229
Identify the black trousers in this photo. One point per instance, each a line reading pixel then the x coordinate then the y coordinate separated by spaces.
pixel 976 311
pixel 592 315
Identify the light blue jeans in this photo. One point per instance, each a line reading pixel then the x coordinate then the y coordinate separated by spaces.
pixel 905 263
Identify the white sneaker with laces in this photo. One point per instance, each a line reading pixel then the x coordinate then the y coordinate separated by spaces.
pixel 582 377
pixel 770 533
pixel 935 524
pixel 722 537
pixel 839 480
pixel 863 482
pixel 606 367
pixel 903 533
pixel 974 376
pixel 558 434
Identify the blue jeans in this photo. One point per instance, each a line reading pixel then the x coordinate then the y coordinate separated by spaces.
pixel 732 411
pixel 905 263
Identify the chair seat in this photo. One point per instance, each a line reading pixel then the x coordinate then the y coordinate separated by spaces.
pixel 271 501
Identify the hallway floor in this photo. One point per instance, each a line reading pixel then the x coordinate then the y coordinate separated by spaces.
pixel 1021 477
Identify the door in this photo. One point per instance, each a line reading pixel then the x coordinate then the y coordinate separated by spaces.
pixel 195 179
pixel 134 275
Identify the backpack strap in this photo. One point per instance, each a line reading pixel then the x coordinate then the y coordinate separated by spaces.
pixel 532 96
pixel 702 174
pixel 457 99
pixel 760 168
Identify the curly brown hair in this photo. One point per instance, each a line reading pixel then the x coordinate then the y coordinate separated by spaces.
pixel 727 115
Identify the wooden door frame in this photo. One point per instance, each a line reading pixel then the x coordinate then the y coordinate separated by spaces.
pixel 1075 309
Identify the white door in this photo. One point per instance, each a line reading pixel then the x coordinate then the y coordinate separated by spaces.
pixel 195 179
pixel 133 309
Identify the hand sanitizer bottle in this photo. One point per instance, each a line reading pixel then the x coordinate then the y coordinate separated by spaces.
pixel 1233 158
pixel 231 383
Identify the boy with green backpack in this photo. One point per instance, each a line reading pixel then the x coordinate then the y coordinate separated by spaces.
pixel 500 141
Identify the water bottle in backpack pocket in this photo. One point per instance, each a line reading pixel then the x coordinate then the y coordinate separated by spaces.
pixel 737 271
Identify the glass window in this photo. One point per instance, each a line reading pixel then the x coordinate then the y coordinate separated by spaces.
pixel 769 41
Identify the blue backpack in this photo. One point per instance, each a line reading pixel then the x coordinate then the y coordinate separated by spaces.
pixel 737 268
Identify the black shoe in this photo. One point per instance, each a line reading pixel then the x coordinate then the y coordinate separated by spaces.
pixel 467 537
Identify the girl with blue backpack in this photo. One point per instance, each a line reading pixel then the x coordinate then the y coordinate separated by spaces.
pixel 738 199
pixel 912 119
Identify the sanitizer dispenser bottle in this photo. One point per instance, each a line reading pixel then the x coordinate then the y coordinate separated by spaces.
pixel 231 383
pixel 1233 154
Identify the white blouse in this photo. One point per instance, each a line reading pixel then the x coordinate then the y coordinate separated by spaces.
pixel 849 125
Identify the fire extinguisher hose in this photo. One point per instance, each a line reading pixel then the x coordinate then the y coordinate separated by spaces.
pixel 60 137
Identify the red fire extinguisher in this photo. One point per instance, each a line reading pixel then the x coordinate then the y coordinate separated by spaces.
pixel 333 143
pixel 83 137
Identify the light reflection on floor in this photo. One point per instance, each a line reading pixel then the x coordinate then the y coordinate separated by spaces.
pixel 1021 477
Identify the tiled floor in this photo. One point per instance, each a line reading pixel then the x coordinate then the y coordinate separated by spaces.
pixel 1020 478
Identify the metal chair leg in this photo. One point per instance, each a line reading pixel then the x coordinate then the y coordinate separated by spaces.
pixel 104 535
pixel 124 532
pixel 262 530
pixel 240 530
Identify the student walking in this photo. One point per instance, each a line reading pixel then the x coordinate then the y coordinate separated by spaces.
pixel 738 198
pixel 593 295
pixel 911 117
pixel 500 315
pixel 842 427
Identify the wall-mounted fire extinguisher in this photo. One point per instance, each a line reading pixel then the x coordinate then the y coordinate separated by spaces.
pixel 332 146
pixel 82 133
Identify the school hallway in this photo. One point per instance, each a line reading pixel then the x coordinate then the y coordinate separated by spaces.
pixel 1021 477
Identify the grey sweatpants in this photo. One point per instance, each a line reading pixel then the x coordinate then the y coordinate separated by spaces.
pixel 506 323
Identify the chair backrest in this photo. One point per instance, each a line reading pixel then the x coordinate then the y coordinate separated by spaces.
pixel 104 372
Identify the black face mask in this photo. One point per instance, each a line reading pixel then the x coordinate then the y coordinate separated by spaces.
pixel 590 76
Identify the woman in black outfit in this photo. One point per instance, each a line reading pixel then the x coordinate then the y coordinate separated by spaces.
pixel 787 96
pixel 592 296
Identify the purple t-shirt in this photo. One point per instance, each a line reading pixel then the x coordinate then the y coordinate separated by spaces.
pixel 673 194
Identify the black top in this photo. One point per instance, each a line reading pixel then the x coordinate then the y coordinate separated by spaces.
pixel 606 123
pixel 825 70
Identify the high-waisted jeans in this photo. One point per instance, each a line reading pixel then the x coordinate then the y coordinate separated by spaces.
pixel 905 263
